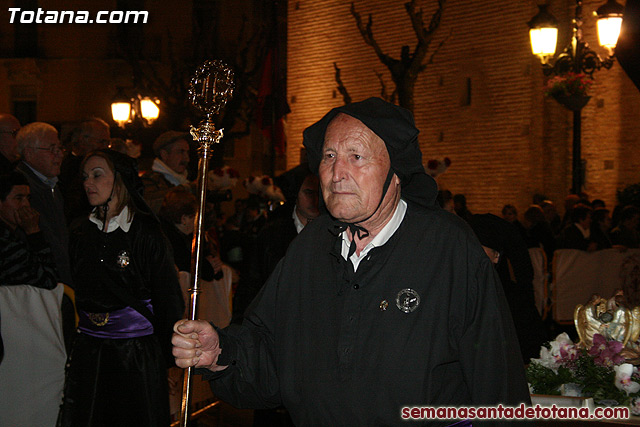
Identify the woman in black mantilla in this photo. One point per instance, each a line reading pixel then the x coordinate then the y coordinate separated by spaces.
pixel 128 298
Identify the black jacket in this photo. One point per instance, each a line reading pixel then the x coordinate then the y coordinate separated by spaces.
pixel 335 347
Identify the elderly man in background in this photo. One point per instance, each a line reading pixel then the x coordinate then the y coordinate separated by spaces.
pixel 41 154
pixel 169 168
pixel 385 303
pixel 9 127
pixel 92 134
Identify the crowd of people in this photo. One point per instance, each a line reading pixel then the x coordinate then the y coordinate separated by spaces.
pixel 587 225
pixel 366 289
pixel 81 215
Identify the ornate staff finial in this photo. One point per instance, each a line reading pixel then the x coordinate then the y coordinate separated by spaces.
pixel 211 87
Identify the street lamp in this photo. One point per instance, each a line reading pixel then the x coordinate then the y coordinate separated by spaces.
pixel 138 108
pixel 577 58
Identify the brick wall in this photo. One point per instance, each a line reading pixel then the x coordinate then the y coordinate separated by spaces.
pixel 510 142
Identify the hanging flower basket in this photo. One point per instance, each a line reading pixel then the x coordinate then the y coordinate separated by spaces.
pixel 572 102
pixel 570 90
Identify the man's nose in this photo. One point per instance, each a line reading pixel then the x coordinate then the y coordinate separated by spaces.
pixel 339 168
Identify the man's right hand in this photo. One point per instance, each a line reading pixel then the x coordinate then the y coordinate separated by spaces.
pixel 27 218
pixel 196 344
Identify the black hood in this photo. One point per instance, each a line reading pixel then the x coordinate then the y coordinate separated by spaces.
pixel 395 126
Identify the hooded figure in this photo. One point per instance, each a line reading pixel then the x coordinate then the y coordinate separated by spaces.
pixel 395 126
pixel 127 296
pixel 504 244
pixel 418 319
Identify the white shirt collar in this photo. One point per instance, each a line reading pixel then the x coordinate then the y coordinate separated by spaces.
pixel 170 175
pixel 380 239
pixel 585 233
pixel 119 221
pixel 296 220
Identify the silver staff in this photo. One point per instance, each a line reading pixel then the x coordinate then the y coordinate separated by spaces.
pixel 211 87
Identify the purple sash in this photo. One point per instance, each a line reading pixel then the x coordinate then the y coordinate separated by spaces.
pixel 124 323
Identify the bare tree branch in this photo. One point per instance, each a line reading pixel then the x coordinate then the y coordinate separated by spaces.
pixel 405 71
pixel 341 87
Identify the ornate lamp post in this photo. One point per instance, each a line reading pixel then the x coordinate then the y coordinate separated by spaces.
pixel 576 58
pixel 138 108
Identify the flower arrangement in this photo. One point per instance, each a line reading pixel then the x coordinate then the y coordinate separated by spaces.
pixel 569 84
pixel 263 186
pixel 600 372
pixel 222 179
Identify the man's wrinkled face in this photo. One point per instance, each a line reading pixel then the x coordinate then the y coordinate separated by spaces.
pixel 46 155
pixel 353 169
pixel 176 155
pixel 16 199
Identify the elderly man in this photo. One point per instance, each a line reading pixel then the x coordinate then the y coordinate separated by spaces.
pixel 9 127
pixel 169 168
pixel 387 302
pixel 41 154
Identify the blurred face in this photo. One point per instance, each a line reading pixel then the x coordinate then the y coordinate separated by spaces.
pixel 586 222
pixel 605 224
pixel 353 169
pixel 46 155
pixel 16 199
pixel 634 222
pixel 307 202
pixel 96 139
pixel 98 181
pixel 176 156
pixel 9 127
pixel 510 215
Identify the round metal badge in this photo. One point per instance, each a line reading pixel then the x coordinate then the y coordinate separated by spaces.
pixel 407 300
pixel 123 259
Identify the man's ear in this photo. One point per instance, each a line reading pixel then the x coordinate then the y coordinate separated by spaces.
pixel 184 220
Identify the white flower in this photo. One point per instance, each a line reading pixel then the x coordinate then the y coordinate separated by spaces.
pixel 623 378
pixel 561 348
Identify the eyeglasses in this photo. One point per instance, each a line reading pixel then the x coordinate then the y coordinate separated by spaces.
pixel 12 132
pixel 54 149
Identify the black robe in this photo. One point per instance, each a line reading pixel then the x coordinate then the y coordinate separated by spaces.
pixel 122 381
pixel 334 347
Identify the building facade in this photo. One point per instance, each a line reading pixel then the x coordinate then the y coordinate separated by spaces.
pixel 480 102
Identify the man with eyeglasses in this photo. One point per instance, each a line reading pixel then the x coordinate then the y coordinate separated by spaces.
pixel 91 134
pixel 42 154
pixel 9 127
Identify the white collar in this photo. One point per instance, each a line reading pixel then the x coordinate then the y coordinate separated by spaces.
pixel 296 220
pixel 585 233
pixel 119 221
pixel 172 176
pixel 380 239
